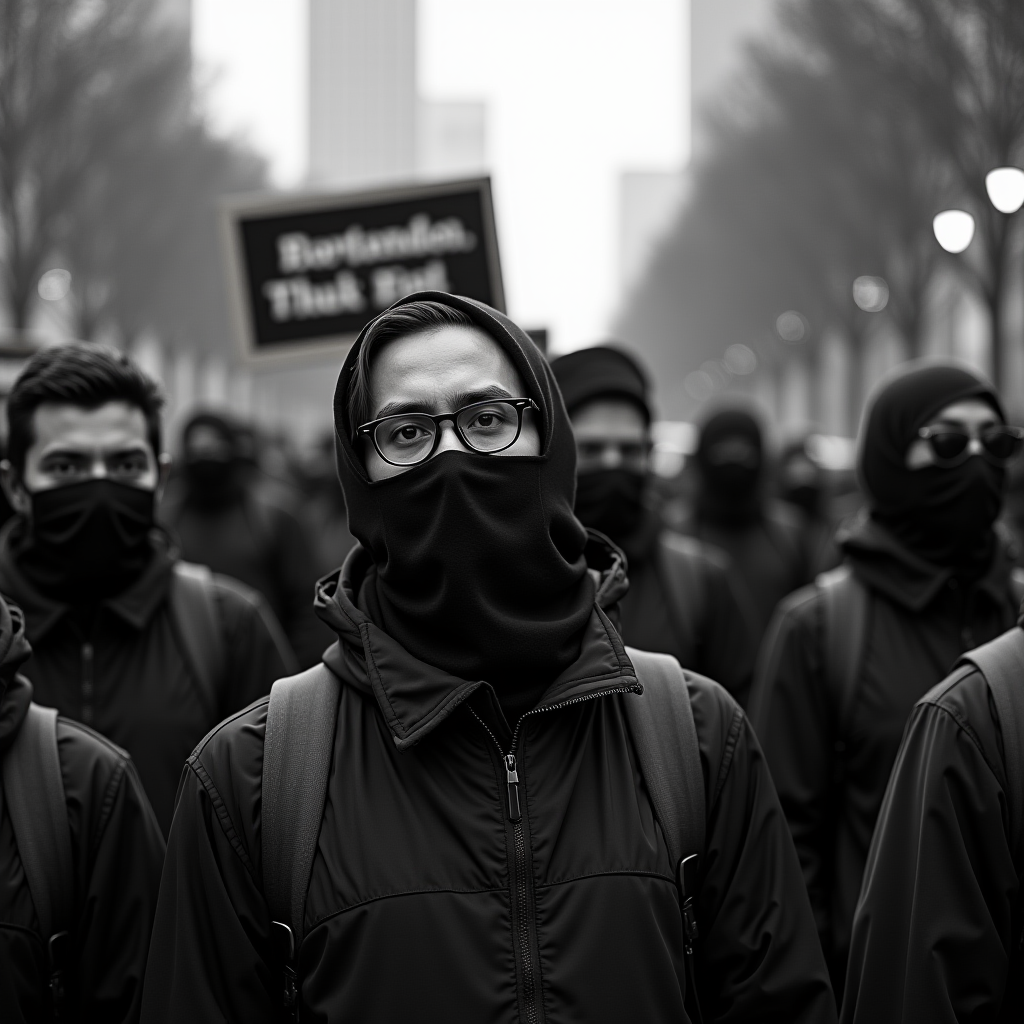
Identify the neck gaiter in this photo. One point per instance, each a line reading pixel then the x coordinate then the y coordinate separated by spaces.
pixel 478 560
pixel 89 540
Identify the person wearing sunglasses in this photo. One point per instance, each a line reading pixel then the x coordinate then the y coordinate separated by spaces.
pixel 926 576
pixel 486 849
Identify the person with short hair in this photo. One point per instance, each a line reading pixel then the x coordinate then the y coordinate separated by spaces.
pixel 926 577
pixel 84 960
pixel 682 598
pixel 125 638
pixel 484 848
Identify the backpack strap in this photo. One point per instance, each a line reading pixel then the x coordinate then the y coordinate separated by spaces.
pixel 196 620
pixel 34 791
pixel 845 605
pixel 661 723
pixel 1001 662
pixel 681 574
pixel 297 753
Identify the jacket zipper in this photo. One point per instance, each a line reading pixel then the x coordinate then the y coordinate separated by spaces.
pixel 87 683
pixel 515 816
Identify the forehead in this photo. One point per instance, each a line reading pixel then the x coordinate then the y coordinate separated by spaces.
pixel 114 424
pixel 969 410
pixel 429 365
pixel 612 418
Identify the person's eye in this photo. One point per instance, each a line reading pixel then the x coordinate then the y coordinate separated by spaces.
pixel 62 468
pixel 130 466
pixel 490 418
pixel 406 432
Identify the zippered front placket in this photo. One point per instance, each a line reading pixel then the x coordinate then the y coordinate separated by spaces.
pixel 514 810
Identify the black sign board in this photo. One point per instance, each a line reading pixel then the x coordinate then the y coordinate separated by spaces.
pixel 310 272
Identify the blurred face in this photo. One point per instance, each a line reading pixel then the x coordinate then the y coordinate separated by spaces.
pixel 205 442
pixel 72 445
pixel 440 372
pixel 970 416
pixel 610 434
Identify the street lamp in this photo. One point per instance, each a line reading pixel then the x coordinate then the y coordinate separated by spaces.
pixel 953 229
pixel 1005 187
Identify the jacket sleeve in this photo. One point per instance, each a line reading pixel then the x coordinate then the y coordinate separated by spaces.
pixel 728 632
pixel 258 653
pixel 932 937
pixel 119 860
pixel 792 715
pixel 209 956
pixel 758 957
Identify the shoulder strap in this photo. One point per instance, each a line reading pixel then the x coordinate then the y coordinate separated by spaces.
pixel 34 791
pixel 1001 662
pixel 296 763
pixel 197 623
pixel 661 722
pixel 681 574
pixel 845 611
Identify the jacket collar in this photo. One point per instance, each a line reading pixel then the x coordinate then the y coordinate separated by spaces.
pixel 884 564
pixel 414 697
pixel 14 702
pixel 135 605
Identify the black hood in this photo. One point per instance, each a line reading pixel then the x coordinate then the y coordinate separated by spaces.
pixel 15 690
pixel 477 561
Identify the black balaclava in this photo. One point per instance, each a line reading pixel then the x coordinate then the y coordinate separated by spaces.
pixel 478 559
pixel 944 516
pixel 212 481
pixel 87 541
pixel 730 460
pixel 609 500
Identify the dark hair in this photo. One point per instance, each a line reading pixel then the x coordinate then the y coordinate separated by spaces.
pixel 84 375
pixel 413 318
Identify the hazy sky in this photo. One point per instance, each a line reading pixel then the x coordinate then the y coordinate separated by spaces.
pixel 576 91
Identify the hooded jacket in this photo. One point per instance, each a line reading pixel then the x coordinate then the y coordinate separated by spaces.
pixel 425 902
pixel 921 618
pixel 127 675
pixel 118 851
pixel 415 910
pixel 943 829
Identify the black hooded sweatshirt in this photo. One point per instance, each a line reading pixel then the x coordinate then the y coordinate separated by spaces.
pixel 118 850
pixel 422 904
pixel 922 616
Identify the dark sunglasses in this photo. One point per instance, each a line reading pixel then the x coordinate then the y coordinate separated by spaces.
pixel 997 444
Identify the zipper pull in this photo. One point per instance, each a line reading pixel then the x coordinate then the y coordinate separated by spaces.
pixel 514 814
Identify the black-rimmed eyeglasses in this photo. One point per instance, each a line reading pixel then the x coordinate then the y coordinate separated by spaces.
pixel 409 438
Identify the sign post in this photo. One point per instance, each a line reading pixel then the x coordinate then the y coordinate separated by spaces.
pixel 309 272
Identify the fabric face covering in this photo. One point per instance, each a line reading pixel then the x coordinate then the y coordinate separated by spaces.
pixel 478 560
pixel 943 515
pixel 729 459
pixel 88 540
pixel 610 500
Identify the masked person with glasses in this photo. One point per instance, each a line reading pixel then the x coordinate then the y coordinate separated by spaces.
pixel 732 510
pixel 476 843
pixel 925 578
pixel 682 599
pixel 125 637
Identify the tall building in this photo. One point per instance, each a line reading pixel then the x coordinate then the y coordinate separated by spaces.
pixel 362 91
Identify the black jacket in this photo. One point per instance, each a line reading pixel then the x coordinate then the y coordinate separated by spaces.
pixel 118 850
pixel 920 620
pixel 259 539
pixel 125 675
pixel 701 616
pixel 414 890
pixel 937 936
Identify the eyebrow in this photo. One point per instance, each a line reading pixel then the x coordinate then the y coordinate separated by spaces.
pixel 133 448
pixel 453 400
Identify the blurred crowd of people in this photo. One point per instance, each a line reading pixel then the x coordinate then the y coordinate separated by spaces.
pixel 857 827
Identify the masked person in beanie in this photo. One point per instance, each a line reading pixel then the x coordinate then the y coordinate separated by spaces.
pixel 925 578
pixel 80 859
pixel 763 538
pixel 483 848
pixel 682 599
pixel 224 517
pixel 126 638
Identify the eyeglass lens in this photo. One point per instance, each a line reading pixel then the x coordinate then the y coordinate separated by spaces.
pixel 998 442
pixel 409 438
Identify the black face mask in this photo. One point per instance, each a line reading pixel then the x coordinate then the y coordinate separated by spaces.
pixel 213 482
pixel 88 540
pixel 472 574
pixel 609 500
